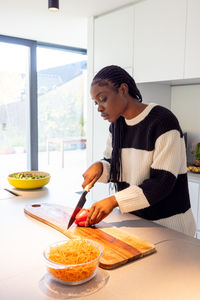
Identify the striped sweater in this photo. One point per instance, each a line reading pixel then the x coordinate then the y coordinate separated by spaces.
pixel 154 175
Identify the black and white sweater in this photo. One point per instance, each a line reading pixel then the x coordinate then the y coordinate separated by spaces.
pixel 153 167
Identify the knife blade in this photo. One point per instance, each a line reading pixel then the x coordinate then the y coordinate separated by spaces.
pixel 78 207
pixel 11 192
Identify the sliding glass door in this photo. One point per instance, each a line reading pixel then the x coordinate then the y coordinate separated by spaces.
pixel 42 107
pixel 14 106
pixel 61 110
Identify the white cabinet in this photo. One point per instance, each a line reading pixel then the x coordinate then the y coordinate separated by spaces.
pixel 192 54
pixel 111 42
pixel 194 194
pixel 113 39
pixel 194 191
pixel 159 40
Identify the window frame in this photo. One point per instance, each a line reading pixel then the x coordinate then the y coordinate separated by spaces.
pixel 32 124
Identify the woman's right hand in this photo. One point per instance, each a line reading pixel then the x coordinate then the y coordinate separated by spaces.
pixel 92 174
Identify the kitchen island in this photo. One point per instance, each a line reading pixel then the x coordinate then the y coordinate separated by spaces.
pixel 171 273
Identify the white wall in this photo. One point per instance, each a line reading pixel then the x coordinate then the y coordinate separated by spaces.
pixel 156 93
pixel 185 104
pixel 32 20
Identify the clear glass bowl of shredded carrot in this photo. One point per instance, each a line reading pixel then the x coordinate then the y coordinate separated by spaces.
pixel 73 261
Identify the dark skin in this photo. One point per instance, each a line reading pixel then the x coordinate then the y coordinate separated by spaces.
pixel 111 103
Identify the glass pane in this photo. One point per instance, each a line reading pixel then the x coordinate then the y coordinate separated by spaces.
pixel 13 107
pixel 62 113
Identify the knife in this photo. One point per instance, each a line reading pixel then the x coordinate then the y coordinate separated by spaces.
pixel 78 207
pixel 13 193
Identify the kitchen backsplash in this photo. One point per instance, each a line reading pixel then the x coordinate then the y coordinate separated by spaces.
pixel 185 104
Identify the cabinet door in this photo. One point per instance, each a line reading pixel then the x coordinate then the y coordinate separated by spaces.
pixel 159 40
pixel 113 39
pixel 194 195
pixel 192 55
pixel 198 235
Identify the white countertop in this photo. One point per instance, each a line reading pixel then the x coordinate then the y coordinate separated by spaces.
pixel 172 273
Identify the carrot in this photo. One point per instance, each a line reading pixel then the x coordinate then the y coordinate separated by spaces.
pixel 74 252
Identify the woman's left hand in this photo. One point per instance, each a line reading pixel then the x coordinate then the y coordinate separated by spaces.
pixel 100 210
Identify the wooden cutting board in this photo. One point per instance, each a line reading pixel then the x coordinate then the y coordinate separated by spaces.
pixel 119 246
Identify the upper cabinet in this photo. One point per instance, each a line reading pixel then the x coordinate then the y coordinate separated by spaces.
pixel 192 54
pixel 113 39
pixel 159 40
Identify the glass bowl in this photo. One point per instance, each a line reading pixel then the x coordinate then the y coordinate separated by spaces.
pixel 29 179
pixel 73 274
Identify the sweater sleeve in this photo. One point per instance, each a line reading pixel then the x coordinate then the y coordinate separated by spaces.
pixel 169 161
pixel 106 160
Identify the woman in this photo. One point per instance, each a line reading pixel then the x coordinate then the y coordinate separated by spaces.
pixel 145 156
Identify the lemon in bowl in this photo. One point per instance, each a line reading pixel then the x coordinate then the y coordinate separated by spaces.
pixel 29 180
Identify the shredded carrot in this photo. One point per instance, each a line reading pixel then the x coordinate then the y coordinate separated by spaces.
pixel 74 252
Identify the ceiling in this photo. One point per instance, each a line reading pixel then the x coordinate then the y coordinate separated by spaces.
pixel 31 19
pixel 86 8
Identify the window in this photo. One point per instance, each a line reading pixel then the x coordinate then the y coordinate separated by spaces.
pixel 41 101
pixel 16 96
pixel 61 109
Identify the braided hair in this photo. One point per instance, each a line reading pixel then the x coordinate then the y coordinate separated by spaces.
pixel 116 75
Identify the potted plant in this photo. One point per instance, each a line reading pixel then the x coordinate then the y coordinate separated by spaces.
pixel 196 153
